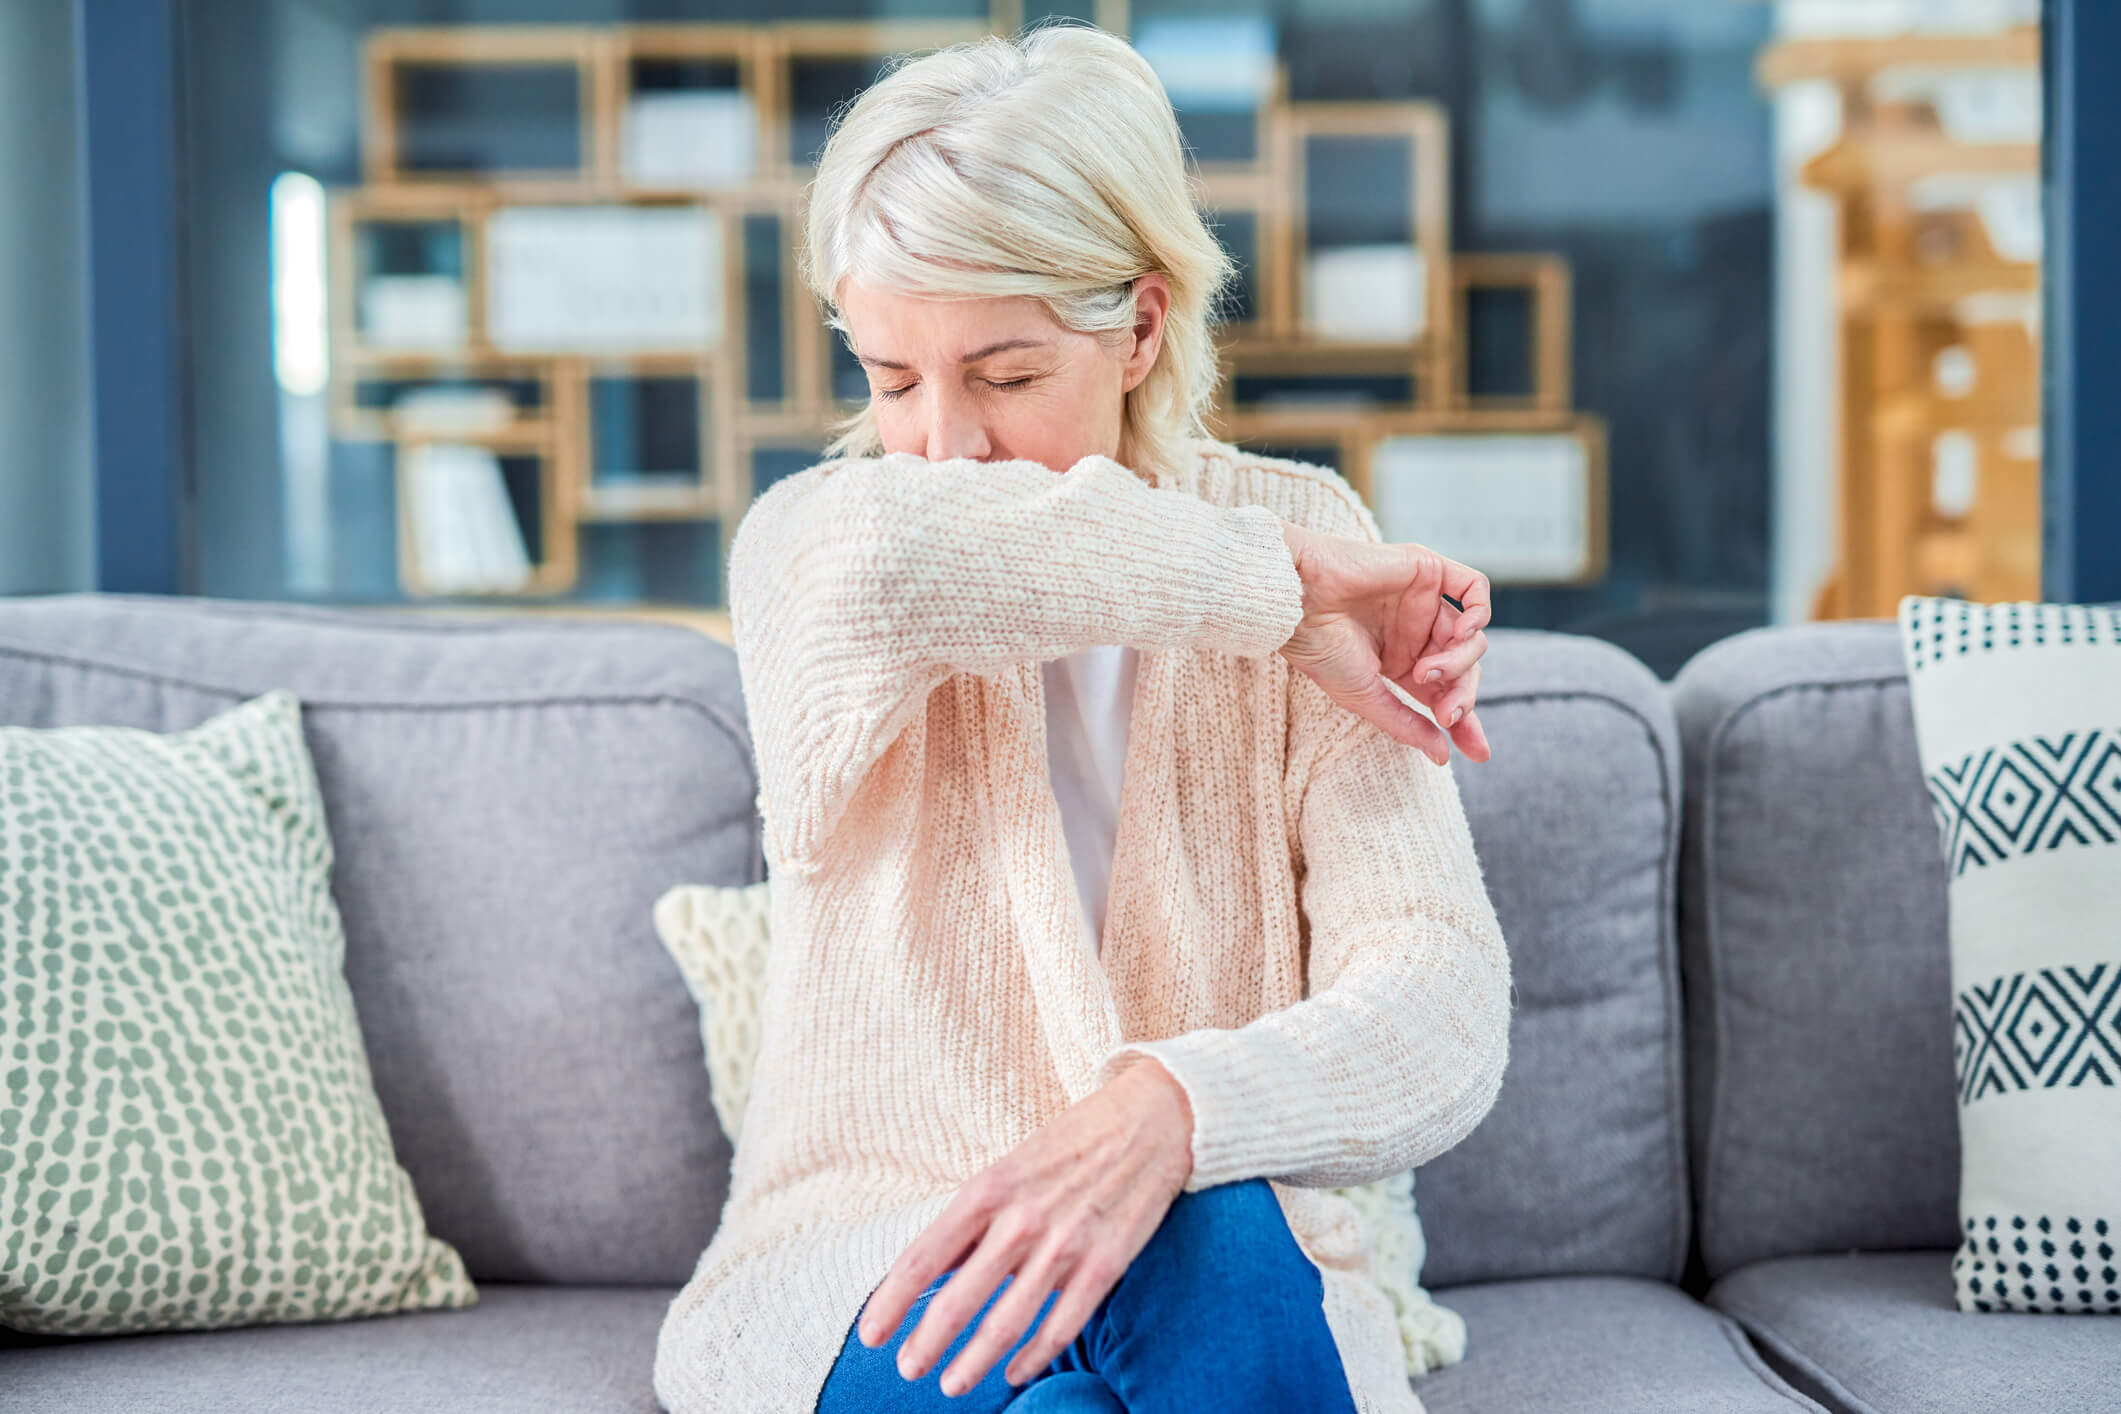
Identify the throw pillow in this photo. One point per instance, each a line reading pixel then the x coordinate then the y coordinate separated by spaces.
pixel 718 937
pixel 189 1134
pixel 2018 728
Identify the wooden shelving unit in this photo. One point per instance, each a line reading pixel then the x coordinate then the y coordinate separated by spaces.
pixel 1937 301
pixel 430 196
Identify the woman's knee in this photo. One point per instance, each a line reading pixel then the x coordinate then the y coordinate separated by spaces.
pixel 1234 1228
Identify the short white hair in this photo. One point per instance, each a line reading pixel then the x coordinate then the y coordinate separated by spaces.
pixel 1049 165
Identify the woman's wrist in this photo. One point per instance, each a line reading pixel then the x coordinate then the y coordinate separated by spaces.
pixel 1147 1082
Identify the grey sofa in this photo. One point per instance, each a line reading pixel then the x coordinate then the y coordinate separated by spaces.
pixel 1720 1176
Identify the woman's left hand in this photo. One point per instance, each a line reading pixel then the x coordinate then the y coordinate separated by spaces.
pixel 1070 1207
pixel 1401 613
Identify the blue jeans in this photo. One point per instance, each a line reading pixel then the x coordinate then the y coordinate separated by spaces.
pixel 1220 1310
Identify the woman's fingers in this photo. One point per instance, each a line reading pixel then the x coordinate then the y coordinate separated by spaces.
pixel 941 1245
pixel 1463 653
pixel 1011 1315
pixel 1454 697
pixel 953 1307
pixel 1471 737
pixel 1086 1286
pixel 1454 709
pixel 1470 588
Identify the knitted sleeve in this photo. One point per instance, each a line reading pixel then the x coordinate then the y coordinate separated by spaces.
pixel 1399 1047
pixel 857 586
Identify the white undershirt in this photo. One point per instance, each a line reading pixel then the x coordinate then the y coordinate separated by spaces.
pixel 1089 704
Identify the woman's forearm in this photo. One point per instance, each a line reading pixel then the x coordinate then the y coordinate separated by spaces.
pixel 1399 1049
pixel 858 586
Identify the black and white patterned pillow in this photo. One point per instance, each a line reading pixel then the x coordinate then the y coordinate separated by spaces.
pixel 2018 727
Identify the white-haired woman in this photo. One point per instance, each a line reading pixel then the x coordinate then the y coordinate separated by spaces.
pixel 1122 902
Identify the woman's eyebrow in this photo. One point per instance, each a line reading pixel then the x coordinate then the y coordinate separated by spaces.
pixel 974 357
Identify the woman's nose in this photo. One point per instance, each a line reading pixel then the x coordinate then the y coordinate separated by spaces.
pixel 955 430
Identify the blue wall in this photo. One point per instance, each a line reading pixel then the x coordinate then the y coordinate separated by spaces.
pixel 2081 465
pixel 47 489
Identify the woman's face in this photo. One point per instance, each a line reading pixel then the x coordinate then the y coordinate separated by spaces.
pixel 998 379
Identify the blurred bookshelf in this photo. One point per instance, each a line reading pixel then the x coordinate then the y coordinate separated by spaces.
pixel 1934 174
pixel 564 297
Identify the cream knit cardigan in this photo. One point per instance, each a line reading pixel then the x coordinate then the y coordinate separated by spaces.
pixel 1299 928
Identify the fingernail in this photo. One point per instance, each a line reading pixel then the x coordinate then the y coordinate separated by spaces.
pixel 1456 713
pixel 1434 674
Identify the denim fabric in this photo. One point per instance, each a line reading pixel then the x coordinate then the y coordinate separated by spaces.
pixel 1220 1310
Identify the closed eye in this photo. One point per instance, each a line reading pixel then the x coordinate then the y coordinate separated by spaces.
pixel 890 393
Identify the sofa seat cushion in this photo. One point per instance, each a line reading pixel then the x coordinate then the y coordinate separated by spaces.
pixel 1590 1344
pixel 523 1348
pixel 1878 1331
pixel 1587 1344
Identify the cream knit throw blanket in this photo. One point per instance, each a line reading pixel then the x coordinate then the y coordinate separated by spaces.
pixel 718 937
pixel 1299 930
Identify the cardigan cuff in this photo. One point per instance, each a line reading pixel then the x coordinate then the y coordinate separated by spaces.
pixel 1252 1117
pixel 1256 597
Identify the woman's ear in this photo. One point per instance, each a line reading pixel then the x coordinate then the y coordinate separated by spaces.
pixel 1152 301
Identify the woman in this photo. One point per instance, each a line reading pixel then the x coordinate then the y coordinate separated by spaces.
pixel 1080 1135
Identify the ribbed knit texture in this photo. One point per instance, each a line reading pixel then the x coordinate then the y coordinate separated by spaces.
pixel 1299 928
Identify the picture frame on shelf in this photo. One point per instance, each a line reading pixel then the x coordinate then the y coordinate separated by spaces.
pixel 1539 347
pixel 1366 231
pixel 482 516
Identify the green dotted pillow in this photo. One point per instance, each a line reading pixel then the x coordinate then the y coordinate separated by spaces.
pixel 189 1132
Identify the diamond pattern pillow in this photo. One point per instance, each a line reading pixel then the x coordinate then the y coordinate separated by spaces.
pixel 718 937
pixel 189 1134
pixel 2018 729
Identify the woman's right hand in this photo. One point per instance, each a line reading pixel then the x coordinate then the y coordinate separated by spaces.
pixel 1376 611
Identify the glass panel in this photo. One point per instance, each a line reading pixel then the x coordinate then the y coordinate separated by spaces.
pixel 1272 390
pixel 770 464
pixel 645 436
pixel 1239 233
pixel 817 89
pixel 1316 453
pixel 652 561
pixel 489 117
pixel 1500 343
pixel 765 357
pixel 1629 152
pixel 514 398
pixel 849 383
pixel 1359 192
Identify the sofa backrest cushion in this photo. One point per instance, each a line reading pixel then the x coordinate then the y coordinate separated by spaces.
pixel 1581 1164
pixel 1812 909
pixel 507 798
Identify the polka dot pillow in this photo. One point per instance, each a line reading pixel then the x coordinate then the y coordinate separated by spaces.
pixel 189 1134
pixel 718 937
pixel 2018 731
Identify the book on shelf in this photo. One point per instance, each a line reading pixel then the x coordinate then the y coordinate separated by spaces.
pixel 465 534
pixel 1366 293
pixel 617 279
pixel 413 311
pixel 702 139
